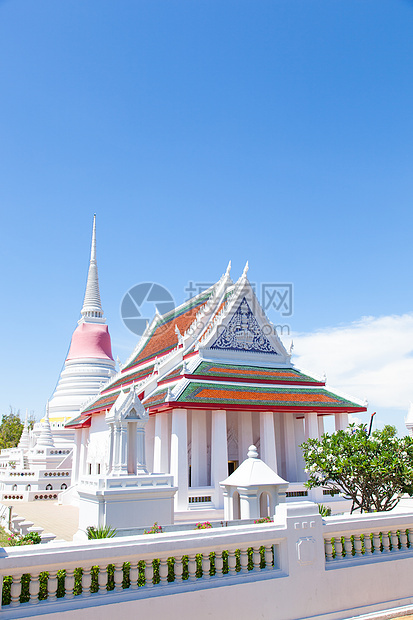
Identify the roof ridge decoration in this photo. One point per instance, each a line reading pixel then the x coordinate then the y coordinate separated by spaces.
pixel 92 306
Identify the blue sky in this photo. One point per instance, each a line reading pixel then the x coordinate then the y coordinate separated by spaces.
pixel 275 131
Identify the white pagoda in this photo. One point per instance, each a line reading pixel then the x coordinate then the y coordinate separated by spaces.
pixel 41 466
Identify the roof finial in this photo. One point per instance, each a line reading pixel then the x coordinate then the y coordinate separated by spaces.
pixel 92 306
pixel 244 273
pixel 228 270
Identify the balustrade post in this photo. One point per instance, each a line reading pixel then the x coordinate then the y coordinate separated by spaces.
pixel 148 573
pixel 232 562
pixel 256 558
pixel 368 544
pixel 134 576
pixel 269 557
pixel 219 563
pixel 15 590
pixel 328 549
pixel 192 567
pixel 394 541
pixel 118 576
pixel 376 542
pixel 34 589
pixel 178 569
pixel 244 560
pixel 69 583
pixel 348 546
pixel 403 539
pixel 86 581
pixel 206 565
pixel 357 544
pixel 102 579
pixel 338 545
pixel 386 542
pixel 52 586
pixel 163 571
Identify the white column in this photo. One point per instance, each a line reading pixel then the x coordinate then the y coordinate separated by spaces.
pixel 179 457
pixel 341 420
pixel 267 439
pixel 123 453
pixel 116 448
pixel 245 438
pixel 290 448
pixel 140 449
pixel 219 454
pixel 111 448
pixel 83 452
pixel 311 425
pixel 300 438
pixel 76 455
pixel 161 444
pixel 320 422
pixel 149 442
pixel 199 474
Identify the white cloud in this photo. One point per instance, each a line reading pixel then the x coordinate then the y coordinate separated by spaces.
pixel 369 359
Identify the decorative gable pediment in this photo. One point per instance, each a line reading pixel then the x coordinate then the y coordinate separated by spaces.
pixel 243 333
pixel 128 408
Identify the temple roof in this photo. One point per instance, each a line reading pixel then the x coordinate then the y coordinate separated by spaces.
pixel 252 374
pixel 162 337
pixel 209 395
pixel 218 349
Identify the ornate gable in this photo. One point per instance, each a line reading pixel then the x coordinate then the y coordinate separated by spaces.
pixel 243 333
pixel 127 408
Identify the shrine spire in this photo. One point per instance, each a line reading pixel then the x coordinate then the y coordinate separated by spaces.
pixel 92 306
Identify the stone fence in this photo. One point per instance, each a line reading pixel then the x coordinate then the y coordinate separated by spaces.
pixel 298 566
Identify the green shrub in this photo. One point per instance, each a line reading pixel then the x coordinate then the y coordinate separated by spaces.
pixel 103 531
pixel 32 538
pixel 325 511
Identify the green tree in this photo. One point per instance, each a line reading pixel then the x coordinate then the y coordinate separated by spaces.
pixel 11 428
pixel 373 471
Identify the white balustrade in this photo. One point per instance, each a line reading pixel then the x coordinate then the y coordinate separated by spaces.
pixel 388 534
pixel 219 553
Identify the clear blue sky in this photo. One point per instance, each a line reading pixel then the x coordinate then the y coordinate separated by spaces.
pixel 275 131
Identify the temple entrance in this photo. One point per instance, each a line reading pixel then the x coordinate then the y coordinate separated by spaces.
pixel 232 466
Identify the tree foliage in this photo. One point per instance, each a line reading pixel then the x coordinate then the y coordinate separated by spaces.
pixel 373 471
pixel 11 428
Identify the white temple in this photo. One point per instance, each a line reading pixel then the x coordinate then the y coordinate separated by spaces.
pixel 212 377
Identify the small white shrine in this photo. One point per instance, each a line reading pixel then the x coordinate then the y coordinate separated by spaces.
pixel 125 496
pixel 253 490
